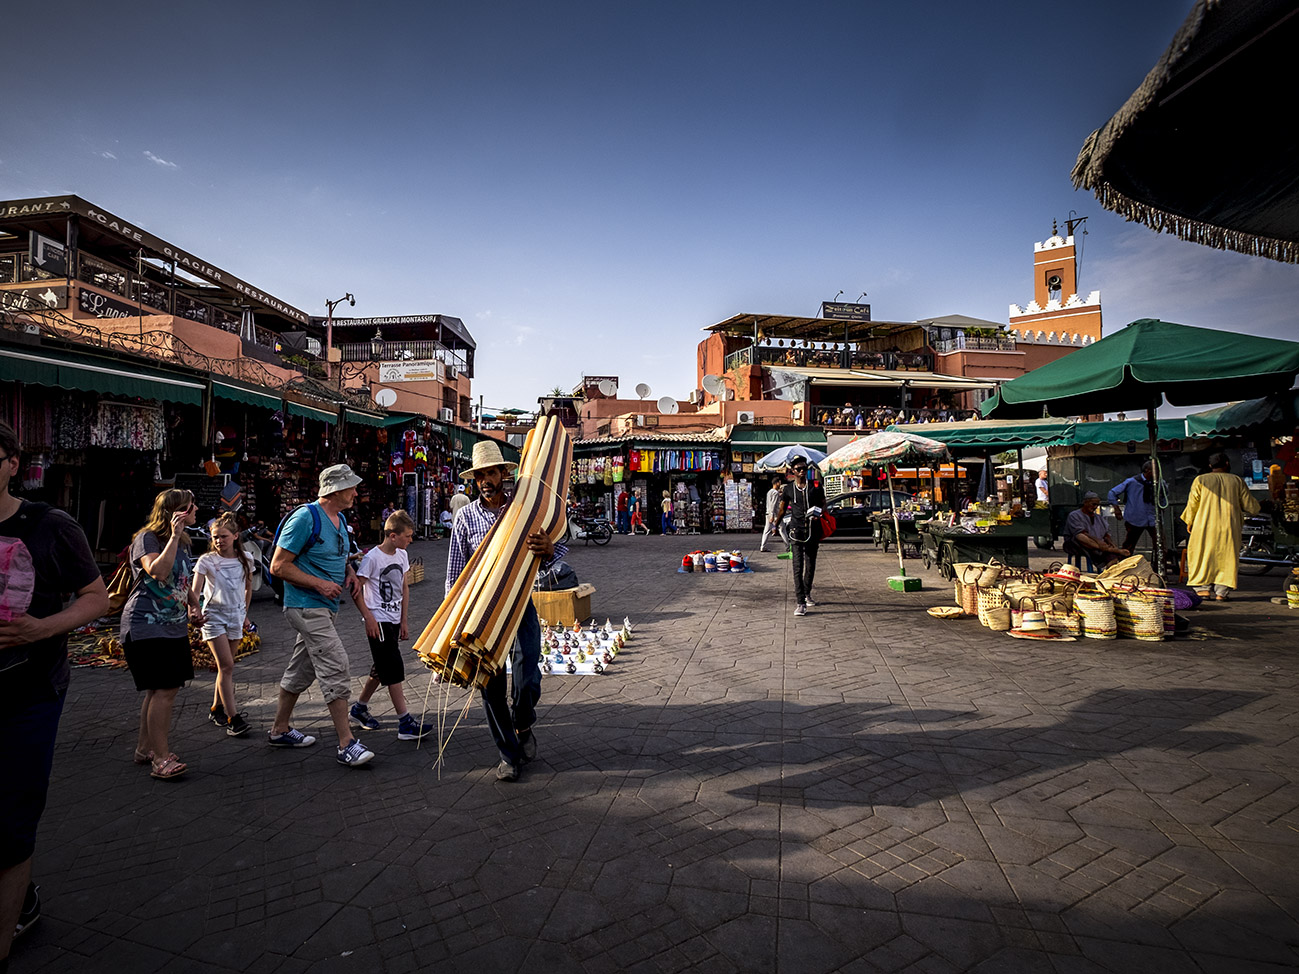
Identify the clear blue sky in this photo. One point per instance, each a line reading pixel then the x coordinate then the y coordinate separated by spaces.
pixel 589 184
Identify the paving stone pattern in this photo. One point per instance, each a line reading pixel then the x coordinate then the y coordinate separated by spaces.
pixel 863 789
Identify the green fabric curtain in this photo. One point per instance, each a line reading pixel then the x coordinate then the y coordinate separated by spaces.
pixel 1125 431
pixel 105 376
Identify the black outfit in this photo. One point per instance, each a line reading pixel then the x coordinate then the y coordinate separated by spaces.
pixel 34 678
pixel 804 534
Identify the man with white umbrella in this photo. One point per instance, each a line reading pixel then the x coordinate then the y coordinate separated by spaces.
pixel 805 502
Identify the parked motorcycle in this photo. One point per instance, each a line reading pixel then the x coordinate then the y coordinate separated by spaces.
pixel 586 528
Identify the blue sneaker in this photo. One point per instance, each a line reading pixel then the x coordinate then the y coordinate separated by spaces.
pixel 355 754
pixel 410 729
pixel 290 738
pixel 360 714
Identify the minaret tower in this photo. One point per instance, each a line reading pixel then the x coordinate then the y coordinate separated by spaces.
pixel 1058 314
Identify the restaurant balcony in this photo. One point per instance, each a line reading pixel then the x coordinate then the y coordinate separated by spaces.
pixel 451 361
pixel 974 343
pixel 831 357
pixel 149 296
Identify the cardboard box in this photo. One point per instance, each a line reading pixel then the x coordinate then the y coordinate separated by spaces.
pixel 565 606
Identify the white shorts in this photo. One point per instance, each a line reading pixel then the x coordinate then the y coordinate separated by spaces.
pixel 214 626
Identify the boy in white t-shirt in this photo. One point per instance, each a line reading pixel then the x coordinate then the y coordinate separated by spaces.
pixel 382 601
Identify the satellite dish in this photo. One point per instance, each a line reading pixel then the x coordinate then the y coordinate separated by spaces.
pixel 714 386
pixel 385 397
pixel 668 405
pixel 607 387
pixel 642 389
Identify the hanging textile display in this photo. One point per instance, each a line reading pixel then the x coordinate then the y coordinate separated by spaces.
pixel 470 635
pixel 127 426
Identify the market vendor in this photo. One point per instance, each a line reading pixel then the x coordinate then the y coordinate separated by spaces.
pixel 1087 533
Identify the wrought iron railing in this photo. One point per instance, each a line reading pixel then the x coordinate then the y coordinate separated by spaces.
pixel 166 346
pixel 972 343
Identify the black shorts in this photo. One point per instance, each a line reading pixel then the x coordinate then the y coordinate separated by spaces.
pixel 159 664
pixel 27 776
pixel 386 653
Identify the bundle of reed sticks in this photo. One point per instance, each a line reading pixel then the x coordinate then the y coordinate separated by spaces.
pixel 469 637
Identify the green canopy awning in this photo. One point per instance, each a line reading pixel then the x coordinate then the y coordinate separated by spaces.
pixel 991 435
pixel 243 394
pixel 312 412
pixel 753 440
pixel 86 373
pixel 362 418
pixel 1129 370
pixel 1273 411
pixel 1119 431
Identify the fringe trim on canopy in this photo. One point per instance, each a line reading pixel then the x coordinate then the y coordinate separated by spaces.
pixel 1088 170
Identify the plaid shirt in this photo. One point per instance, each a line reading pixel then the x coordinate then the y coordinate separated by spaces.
pixel 471 525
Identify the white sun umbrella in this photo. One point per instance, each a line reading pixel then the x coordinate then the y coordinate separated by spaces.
pixel 883 450
pixel 778 459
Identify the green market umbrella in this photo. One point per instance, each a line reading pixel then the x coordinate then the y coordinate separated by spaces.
pixel 1149 359
pixel 882 450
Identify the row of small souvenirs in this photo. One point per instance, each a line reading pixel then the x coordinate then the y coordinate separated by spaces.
pixel 714 561
pixel 582 651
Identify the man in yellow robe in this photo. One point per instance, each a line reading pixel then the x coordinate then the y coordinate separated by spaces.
pixel 1214 514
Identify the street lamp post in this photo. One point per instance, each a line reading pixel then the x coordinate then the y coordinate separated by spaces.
pixel 329 328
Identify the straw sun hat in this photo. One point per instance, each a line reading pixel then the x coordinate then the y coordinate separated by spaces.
pixel 487 453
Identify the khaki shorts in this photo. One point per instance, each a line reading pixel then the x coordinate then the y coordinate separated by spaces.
pixel 318 654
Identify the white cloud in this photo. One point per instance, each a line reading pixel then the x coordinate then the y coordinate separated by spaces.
pixel 482 315
pixel 107 155
pixel 161 162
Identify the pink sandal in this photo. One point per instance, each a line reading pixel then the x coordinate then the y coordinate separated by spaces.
pixel 142 757
pixel 169 767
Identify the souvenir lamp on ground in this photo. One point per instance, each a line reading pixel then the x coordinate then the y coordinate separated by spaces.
pixel 884 450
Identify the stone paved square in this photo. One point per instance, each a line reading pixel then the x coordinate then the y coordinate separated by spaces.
pixel 862 789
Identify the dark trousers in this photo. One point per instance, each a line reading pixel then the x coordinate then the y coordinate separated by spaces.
pixel 1134 535
pixel 505 717
pixel 804 561
pixel 31 728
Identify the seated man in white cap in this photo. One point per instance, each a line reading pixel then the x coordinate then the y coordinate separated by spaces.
pixel 510 723
pixel 311 557
pixel 1087 533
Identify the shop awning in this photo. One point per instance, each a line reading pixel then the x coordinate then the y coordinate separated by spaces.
pixel 312 412
pixel 362 418
pixel 105 376
pixel 243 394
pixel 1272 411
pixel 881 378
pixel 753 440
pixel 1120 431
pixel 991 435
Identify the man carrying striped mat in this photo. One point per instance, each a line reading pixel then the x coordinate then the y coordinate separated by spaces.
pixel 497 546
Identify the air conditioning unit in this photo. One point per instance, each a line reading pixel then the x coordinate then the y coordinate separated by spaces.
pixel 695 396
pixel 447 415
pixel 744 416
pixel 640 420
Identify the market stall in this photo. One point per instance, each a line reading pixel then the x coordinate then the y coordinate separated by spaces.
pixel 983 536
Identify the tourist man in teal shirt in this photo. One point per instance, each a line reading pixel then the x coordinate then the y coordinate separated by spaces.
pixel 311 557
